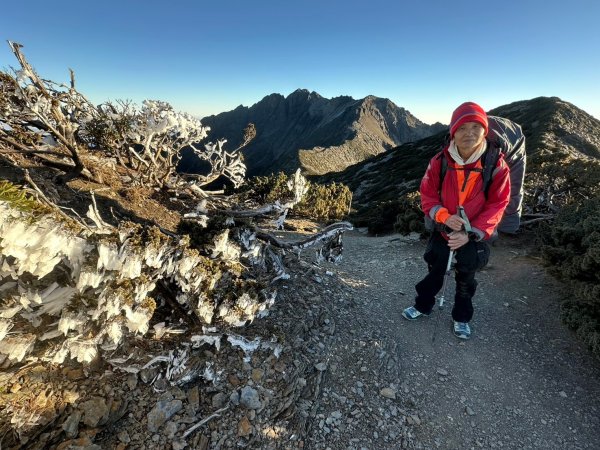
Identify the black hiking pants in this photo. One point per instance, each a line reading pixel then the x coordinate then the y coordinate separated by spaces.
pixel 469 258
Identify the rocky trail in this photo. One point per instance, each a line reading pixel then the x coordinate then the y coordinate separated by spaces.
pixel 335 366
pixel 523 381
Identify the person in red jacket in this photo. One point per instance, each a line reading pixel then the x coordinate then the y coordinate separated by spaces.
pixel 441 197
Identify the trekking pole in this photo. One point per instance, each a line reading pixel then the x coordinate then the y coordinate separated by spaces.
pixel 442 297
pixel 467 228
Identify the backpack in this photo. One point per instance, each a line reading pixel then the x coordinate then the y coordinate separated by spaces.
pixel 507 137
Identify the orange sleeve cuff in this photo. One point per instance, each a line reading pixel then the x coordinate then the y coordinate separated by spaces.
pixel 442 215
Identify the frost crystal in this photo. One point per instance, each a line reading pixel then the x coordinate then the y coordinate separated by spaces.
pixel 5 326
pixel 248 347
pixel 17 346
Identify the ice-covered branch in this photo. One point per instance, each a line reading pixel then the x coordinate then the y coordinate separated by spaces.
pixel 297 185
pixel 57 124
pixel 329 233
pixel 222 163
pixel 54 109
pixel 119 271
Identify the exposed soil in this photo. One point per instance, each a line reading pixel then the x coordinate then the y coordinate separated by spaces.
pixel 117 200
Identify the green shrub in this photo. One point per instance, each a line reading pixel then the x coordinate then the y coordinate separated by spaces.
pixel 583 316
pixel 571 247
pixel 402 215
pixel 108 127
pixel 266 189
pixel 379 218
pixel 325 202
pixel 322 201
pixel 410 217
pixel 18 198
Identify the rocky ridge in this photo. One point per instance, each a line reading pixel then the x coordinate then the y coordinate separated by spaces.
pixel 319 135
pixel 556 132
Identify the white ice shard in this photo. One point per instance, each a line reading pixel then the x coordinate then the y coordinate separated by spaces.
pixel 108 257
pixel 90 278
pixel 247 346
pixel 5 326
pixel 114 333
pixel 83 350
pixel 17 346
pixel 72 320
pixel 138 320
pixel 54 299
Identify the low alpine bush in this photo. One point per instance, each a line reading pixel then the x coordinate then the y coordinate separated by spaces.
pixel 571 248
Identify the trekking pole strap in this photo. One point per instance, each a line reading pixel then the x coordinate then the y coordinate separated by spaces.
pixel 463 215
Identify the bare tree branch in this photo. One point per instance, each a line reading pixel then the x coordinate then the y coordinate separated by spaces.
pixel 47 202
pixel 328 233
pixel 46 104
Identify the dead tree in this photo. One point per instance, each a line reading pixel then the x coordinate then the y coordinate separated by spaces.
pixel 57 124
pixel 50 115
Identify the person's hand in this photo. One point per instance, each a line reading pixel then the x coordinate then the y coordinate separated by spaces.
pixel 454 222
pixel 457 239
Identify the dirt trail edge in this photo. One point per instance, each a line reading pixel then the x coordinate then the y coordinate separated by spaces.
pixel 523 381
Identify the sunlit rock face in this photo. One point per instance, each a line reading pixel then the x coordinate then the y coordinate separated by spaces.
pixel 319 135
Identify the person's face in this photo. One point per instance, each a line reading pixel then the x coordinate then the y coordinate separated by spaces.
pixel 468 137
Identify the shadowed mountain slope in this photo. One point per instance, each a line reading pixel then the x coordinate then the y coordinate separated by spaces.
pixel 557 132
pixel 319 135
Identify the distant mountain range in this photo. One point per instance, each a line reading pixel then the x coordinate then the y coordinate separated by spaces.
pixel 557 134
pixel 314 133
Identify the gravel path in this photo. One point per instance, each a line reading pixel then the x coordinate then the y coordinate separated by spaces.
pixel 339 368
pixel 522 382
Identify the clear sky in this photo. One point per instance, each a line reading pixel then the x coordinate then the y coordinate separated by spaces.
pixel 206 57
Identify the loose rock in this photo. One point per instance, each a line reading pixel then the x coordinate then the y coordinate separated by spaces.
pixel 388 393
pixel 162 411
pixel 250 398
pixel 244 427
pixel 95 411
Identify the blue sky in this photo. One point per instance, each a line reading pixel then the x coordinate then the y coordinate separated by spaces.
pixel 209 57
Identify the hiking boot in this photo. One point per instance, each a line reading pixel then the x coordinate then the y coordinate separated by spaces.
pixel 462 330
pixel 412 313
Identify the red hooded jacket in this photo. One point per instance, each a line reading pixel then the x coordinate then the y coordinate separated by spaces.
pixel 483 214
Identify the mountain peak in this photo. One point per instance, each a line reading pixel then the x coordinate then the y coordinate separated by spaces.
pixel 317 134
pixel 304 94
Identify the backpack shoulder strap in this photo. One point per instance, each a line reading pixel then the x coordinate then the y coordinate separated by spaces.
pixel 443 169
pixel 490 160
